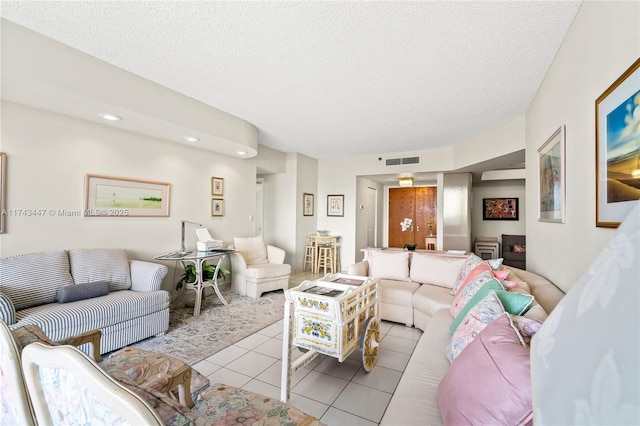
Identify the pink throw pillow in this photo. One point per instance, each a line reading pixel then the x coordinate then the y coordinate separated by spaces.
pixel 489 383
pixel 501 274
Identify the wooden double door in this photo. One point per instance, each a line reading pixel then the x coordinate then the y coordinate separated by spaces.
pixel 418 204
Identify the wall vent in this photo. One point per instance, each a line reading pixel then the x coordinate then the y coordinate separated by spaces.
pixel 399 161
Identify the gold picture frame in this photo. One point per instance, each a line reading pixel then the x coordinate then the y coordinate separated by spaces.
pixel 217 186
pixel 124 197
pixel 307 204
pixel 217 207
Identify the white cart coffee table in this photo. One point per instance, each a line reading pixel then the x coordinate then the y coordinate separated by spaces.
pixel 334 315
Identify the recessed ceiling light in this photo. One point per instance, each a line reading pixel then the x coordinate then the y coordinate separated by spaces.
pixel 110 117
pixel 241 152
pixel 191 139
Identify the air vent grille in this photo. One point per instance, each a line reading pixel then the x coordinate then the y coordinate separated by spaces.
pixel 399 161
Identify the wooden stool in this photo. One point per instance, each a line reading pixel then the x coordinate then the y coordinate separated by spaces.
pixel 325 258
pixel 309 257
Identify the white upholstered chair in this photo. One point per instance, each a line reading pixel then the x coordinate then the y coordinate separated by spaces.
pixel 257 267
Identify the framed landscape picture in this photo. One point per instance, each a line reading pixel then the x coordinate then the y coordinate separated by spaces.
pixel 618 149
pixel 123 197
pixel 500 209
pixel 551 186
pixel 307 204
pixel 335 205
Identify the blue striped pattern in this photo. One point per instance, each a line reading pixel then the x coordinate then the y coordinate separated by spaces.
pixel 33 279
pixel 125 333
pixel 7 311
pixel 111 265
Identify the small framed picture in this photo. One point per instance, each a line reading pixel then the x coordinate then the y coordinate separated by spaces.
pixel 217 207
pixel 335 205
pixel 217 186
pixel 307 204
pixel 551 186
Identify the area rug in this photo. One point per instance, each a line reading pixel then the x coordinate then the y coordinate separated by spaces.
pixel 192 339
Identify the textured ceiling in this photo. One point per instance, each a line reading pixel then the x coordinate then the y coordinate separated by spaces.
pixel 328 79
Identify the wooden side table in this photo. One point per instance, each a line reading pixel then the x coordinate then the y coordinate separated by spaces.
pixel 430 242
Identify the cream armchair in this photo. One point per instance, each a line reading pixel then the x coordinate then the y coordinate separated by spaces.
pixel 257 267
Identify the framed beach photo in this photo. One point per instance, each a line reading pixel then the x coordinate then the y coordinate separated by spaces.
pixel 307 204
pixel 618 149
pixel 217 207
pixel 500 209
pixel 217 186
pixel 335 205
pixel 551 181
pixel 124 197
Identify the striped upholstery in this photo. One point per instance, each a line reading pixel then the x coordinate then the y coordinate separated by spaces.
pixel 112 265
pixel 7 311
pixel 146 276
pixel 40 274
pixel 59 321
pixel 125 333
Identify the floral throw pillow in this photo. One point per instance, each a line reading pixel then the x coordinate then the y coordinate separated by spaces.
pixel 468 291
pixel 472 262
pixel 478 317
pixel 517 248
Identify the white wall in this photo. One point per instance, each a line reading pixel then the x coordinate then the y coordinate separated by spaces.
pixel 601 44
pixel 50 154
pixel 495 228
pixel 307 182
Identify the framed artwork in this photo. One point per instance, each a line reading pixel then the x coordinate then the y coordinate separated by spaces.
pixel 123 197
pixel 217 207
pixel 3 187
pixel 618 149
pixel 335 205
pixel 500 209
pixel 307 204
pixel 217 186
pixel 551 181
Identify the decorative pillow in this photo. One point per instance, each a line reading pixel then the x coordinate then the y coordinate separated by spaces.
pixel 111 265
pixel 489 383
pixel 517 248
pixel 472 262
pixel 515 303
pixel 495 263
pixel 466 293
pixel 483 313
pixel 389 265
pixel 527 327
pixel 71 293
pixel 252 249
pixel 479 269
pixel 501 274
pixel 508 285
pixel 435 269
pixel 7 310
pixel 480 294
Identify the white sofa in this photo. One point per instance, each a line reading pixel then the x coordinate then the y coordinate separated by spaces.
pixel 415 290
pixel 130 308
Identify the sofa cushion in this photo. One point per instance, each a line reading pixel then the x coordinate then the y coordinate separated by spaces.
pixel 268 270
pixel 429 299
pixel 478 317
pixel 91 265
pixel 33 279
pixel 7 311
pixel 435 269
pixel 471 262
pixel 389 265
pixel 252 249
pixel 466 292
pixel 489 383
pixel 71 293
pixel 491 285
pixel 397 292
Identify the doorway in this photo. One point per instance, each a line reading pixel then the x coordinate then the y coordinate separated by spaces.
pixel 417 208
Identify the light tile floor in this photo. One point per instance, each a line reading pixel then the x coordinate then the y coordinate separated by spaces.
pixel 336 393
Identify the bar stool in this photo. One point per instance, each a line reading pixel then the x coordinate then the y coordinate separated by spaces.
pixel 325 258
pixel 309 257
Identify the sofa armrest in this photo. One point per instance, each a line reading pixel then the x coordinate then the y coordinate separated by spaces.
pixel 275 254
pixel 360 269
pixel 146 276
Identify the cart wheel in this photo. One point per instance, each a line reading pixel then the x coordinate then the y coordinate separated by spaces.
pixel 369 343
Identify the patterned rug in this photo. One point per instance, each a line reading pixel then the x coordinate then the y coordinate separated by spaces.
pixel 192 339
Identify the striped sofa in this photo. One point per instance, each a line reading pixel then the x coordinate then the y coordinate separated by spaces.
pixel 134 308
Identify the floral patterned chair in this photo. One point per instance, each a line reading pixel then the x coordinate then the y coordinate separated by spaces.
pixel 65 381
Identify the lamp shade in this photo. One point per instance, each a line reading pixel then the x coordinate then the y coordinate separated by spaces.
pixel 584 359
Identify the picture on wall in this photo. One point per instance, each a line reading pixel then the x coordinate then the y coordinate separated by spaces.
pixel 217 207
pixel 618 149
pixel 307 204
pixel 551 189
pixel 500 209
pixel 3 185
pixel 124 197
pixel 335 205
pixel 217 186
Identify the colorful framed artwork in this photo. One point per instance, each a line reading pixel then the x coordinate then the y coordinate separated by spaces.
pixel 3 187
pixel 618 149
pixel 217 186
pixel 335 205
pixel 124 197
pixel 500 209
pixel 307 204
pixel 217 207
pixel 551 184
